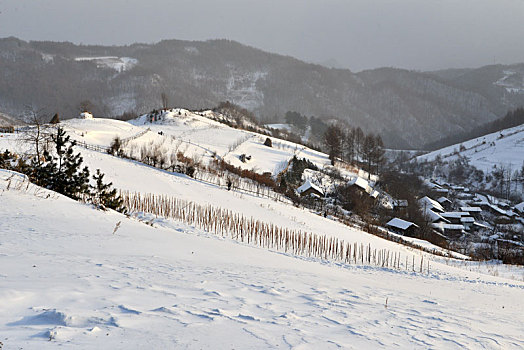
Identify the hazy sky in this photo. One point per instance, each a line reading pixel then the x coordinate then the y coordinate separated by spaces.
pixel 358 34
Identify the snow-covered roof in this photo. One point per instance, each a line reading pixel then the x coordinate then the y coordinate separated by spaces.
pixel 307 185
pixel 467 219
pixel 445 226
pixel 86 115
pixel 360 182
pixel 443 199
pixel 401 224
pixel 400 202
pixel 454 214
pixel 471 209
pixel 427 202
pixel 498 210
pixel 434 216
pixel 433 185
pixel 520 207
pixel 481 199
pixel 478 224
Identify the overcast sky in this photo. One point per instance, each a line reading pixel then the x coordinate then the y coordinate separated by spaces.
pixel 358 34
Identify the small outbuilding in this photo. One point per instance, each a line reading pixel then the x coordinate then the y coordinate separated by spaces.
pixel 309 188
pixel 86 115
pixel 402 227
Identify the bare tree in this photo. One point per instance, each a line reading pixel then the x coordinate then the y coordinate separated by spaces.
pixel 38 133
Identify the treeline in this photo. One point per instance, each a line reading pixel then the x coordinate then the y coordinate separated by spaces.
pixel 511 119
pixel 55 166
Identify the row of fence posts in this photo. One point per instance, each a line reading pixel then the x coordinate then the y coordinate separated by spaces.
pixel 225 223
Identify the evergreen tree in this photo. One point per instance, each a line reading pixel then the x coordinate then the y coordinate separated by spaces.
pixel 333 140
pixel 62 172
pixel 105 196
pixel 55 119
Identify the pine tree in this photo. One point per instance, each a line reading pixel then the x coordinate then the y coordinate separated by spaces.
pixel 62 172
pixel 55 119
pixel 105 196
pixel 333 140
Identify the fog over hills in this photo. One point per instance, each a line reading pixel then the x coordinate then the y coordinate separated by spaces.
pixel 407 108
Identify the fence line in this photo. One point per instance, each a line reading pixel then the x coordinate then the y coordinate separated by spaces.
pixel 226 223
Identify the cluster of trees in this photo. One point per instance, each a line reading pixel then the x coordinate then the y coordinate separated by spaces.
pixel 507 182
pixel 352 145
pixel 293 176
pixel 56 166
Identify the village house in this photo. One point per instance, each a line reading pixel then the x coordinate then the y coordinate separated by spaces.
pixel 431 204
pixel 475 212
pixel 454 217
pixel 402 227
pixel 449 230
pixel 309 188
pixel 446 203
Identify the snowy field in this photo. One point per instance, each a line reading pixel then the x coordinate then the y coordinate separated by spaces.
pixel 502 148
pixel 73 281
pixel 71 275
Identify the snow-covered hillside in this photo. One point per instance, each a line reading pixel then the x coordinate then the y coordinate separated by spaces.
pixel 504 148
pixel 74 276
pixel 120 64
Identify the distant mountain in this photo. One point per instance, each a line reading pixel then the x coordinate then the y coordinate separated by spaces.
pixel 6 120
pixel 407 108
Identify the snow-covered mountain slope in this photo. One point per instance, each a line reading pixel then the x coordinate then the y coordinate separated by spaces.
pixel 120 64
pixel 68 278
pixel 504 148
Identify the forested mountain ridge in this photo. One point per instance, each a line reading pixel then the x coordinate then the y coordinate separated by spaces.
pixel 407 108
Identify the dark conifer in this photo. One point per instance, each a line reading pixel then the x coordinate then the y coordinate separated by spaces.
pixel 105 196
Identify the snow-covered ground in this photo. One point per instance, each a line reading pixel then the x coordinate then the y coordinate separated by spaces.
pixel 68 278
pixel 119 64
pixel 504 148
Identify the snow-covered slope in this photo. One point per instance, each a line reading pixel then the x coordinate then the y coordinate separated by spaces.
pixel 83 278
pixel 68 278
pixel 120 64
pixel 203 137
pixel 504 147
pixel 98 131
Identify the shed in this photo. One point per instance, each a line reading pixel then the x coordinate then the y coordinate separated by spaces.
pixel 402 226
pixel 86 115
pixel 309 188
